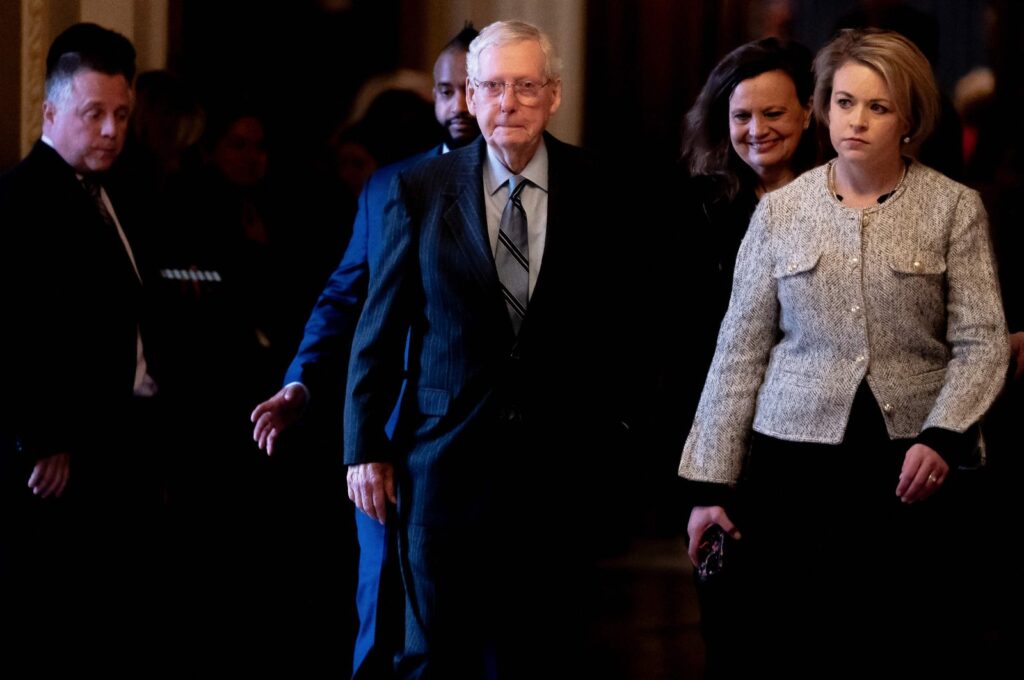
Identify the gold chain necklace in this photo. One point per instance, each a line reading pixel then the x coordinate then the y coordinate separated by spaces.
pixel 881 199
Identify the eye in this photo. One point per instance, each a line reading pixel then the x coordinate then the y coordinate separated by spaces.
pixel 879 108
pixel 92 114
pixel 491 88
pixel 773 114
pixel 527 87
pixel 843 102
pixel 741 116
pixel 445 92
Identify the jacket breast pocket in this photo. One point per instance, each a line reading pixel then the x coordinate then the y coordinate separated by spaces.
pixel 797 264
pixel 797 280
pixel 923 263
pixel 919 283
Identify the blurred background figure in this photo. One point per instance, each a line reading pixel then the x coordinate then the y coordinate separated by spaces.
pixel 219 321
pixel 167 124
pixel 398 122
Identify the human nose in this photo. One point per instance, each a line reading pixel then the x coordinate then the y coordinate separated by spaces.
pixel 508 98
pixel 109 126
pixel 460 102
pixel 857 118
pixel 757 127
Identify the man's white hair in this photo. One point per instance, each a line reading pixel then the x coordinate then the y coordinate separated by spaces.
pixel 504 32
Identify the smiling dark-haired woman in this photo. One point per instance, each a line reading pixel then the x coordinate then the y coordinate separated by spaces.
pixel 749 132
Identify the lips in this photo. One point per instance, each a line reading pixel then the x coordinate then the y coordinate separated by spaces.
pixel 764 144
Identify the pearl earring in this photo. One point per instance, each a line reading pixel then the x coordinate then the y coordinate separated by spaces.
pixel 906 140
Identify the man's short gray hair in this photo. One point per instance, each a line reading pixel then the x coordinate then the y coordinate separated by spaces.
pixel 504 32
pixel 58 89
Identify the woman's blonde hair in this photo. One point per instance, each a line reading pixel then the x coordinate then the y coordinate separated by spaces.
pixel 899 62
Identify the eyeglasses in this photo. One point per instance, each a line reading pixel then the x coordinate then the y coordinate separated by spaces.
pixel 526 91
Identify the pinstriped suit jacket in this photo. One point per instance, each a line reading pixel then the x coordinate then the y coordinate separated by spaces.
pixel 469 375
pixel 903 294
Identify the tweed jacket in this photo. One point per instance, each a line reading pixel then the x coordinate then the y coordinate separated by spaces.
pixel 903 294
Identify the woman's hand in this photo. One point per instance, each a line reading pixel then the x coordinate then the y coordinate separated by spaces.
pixel 703 516
pixel 1017 353
pixel 923 473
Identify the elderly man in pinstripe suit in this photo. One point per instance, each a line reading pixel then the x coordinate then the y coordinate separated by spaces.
pixel 493 259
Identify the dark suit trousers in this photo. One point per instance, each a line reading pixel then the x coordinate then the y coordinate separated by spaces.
pixel 62 560
pixel 506 594
pixel 837 574
pixel 36 560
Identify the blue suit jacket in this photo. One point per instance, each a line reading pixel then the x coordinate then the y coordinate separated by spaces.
pixel 321 361
pixel 473 384
pixel 321 364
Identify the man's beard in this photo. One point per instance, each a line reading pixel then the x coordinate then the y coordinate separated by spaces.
pixel 453 143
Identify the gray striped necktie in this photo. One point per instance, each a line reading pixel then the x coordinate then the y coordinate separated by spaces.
pixel 512 256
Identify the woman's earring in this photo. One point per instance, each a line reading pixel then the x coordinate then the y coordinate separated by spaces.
pixel 906 140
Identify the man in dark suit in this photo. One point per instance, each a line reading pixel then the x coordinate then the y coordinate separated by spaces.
pixel 75 360
pixel 495 265
pixel 319 368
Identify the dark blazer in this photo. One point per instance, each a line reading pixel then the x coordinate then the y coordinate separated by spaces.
pixel 72 304
pixel 473 385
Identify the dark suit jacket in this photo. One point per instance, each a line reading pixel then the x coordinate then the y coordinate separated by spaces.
pixel 480 400
pixel 71 304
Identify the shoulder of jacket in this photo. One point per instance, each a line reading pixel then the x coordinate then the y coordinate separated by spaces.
pixel 933 181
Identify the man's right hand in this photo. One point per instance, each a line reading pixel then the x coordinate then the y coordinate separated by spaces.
pixel 277 414
pixel 371 486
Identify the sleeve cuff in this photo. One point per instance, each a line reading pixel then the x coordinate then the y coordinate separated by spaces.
pixel 708 493
pixel 954 447
pixel 304 389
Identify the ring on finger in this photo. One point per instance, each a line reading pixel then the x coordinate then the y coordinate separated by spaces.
pixel 932 479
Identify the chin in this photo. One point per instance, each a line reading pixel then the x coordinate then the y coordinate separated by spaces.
pixel 772 158
pixel 458 142
pixel 99 166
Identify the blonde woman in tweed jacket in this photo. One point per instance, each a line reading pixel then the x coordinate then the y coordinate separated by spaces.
pixel 864 340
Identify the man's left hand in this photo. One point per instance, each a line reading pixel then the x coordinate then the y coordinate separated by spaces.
pixel 371 486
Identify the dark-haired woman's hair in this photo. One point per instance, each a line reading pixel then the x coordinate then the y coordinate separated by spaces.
pixel 707 149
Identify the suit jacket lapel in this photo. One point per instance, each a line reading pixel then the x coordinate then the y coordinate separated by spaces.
pixel 465 214
pixel 558 196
